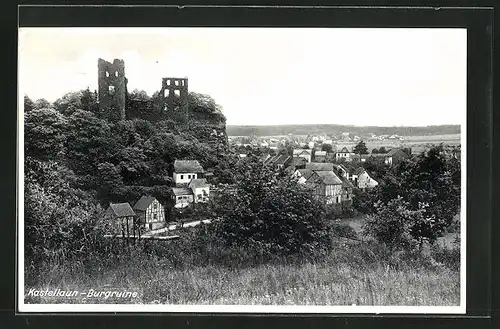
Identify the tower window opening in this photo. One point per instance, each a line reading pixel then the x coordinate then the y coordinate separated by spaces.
pixel 116 73
pixel 177 92
pixel 107 74
pixel 111 90
pixel 166 93
pixel 176 82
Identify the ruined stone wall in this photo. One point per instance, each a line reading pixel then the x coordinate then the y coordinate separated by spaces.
pixel 175 95
pixel 112 90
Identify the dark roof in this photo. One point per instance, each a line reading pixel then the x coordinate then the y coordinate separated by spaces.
pixel 306 173
pixel 282 159
pixel 300 151
pixel 298 161
pixel 392 152
pixel 270 159
pixel 358 171
pixel 340 166
pixel 314 166
pixel 328 177
pixel 121 209
pixel 144 202
pixel 346 182
pixel 264 157
pixel 181 191
pixel 344 150
pixel 187 166
pixel 198 183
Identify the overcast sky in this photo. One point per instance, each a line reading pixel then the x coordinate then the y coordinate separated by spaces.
pixel 260 76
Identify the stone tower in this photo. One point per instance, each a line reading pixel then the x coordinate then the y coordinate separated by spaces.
pixel 112 93
pixel 175 95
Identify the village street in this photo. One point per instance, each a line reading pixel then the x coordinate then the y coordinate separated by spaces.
pixel 173 227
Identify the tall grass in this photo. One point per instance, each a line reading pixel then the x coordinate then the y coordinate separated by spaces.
pixel 361 273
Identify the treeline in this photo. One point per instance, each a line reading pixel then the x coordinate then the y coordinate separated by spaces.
pixel 277 130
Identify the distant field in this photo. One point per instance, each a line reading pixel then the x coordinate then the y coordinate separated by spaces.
pixel 444 137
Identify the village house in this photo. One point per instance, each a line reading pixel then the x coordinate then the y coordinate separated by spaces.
pixel 343 154
pixel 362 179
pixel 120 218
pixel 359 157
pixel 303 153
pixel 320 156
pixel 190 187
pixel 341 171
pixel 395 156
pixel 150 213
pixel 347 192
pixel 298 163
pixel 264 157
pixel 186 170
pixel 278 161
pixel 327 186
pixel 303 175
pixel 326 183
pixel 200 189
pixel 182 197
pixel 319 166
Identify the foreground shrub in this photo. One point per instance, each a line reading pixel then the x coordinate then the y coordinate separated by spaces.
pixel 269 213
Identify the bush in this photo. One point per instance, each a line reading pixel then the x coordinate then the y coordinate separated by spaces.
pixel 448 257
pixel 391 225
pixel 270 213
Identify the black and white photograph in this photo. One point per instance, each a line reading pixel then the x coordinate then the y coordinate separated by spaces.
pixel 203 169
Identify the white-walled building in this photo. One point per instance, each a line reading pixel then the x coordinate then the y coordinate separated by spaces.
pixel 186 170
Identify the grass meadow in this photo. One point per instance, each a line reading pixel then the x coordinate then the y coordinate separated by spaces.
pixel 354 272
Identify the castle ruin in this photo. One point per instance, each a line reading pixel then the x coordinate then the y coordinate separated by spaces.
pixel 175 95
pixel 112 92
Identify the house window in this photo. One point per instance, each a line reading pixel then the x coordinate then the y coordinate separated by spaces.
pixel 179 198
pixel 155 216
pixel 189 176
pixel 155 206
pixel 150 226
pixel 182 176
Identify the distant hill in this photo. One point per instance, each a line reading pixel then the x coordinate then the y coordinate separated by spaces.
pixel 277 130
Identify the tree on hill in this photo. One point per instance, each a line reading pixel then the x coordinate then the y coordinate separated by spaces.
pixel 382 150
pixel 360 148
pixel 28 104
pixel 42 103
pixel 375 151
pixel 140 95
pixel 45 133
